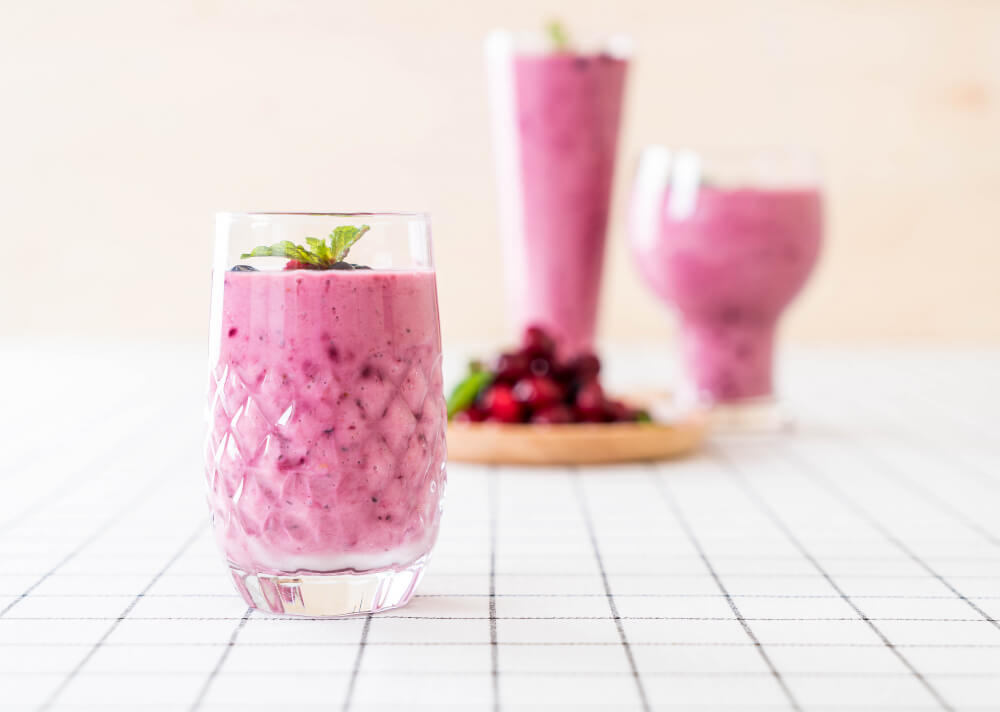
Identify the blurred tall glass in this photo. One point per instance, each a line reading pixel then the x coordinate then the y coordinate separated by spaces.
pixel 728 239
pixel 555 121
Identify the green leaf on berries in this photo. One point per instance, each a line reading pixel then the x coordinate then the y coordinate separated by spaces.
pixel 343 238
pixel 320 253
pixel 466 392
pixel 285 248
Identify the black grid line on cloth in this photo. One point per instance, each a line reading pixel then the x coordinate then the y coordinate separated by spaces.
pixel 417 617
pixel 226 650
pixel 886 596
pixel 768 576
pixel 95 420
pixel 458 672
pixel 924 398
pixel 737 476
pixel 492 488
pixel 763 559
pixel 917 439
pixel 81 477
pixel 101 530
pixel 50 700
pixel 535 643
pixel 926 442
pixel 362 644
pixel 861 557
pixel 436 707
pixel 581 498
pixel 674 507
pixel 929 441
pixel 895 475
pixel 821 479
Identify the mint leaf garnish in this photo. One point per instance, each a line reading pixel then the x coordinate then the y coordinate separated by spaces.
pixel 285 248
pixel 343 238
pixel 558 35
pixel 468 390
pixel 320 254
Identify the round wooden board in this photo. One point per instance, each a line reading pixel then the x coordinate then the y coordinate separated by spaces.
pixel 574 444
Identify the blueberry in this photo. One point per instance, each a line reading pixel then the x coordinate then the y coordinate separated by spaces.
pixel 341 265
pixel 243 268
pixel 361 266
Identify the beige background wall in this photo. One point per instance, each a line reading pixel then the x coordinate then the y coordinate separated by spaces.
pixel 125 125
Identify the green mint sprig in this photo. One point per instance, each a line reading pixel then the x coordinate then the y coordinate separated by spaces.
pixel 320 254
pixel 558 35
pixel 468 389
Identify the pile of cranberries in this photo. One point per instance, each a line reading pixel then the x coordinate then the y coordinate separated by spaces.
pixel 532 385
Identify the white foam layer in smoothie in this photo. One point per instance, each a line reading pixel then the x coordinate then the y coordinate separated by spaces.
pixel 284 562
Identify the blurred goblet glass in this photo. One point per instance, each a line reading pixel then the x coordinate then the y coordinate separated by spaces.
pixel 728 239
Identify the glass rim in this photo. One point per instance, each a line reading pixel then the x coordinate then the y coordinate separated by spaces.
pixel 735 152
pixel 535 42
pixel 416 215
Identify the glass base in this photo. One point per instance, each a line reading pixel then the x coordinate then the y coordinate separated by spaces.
pixel 329 595
pixel 752 416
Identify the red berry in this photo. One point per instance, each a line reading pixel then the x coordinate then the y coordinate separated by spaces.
pixel 537 392
pixel 589 403
pixel 499 404
pixel 617 412
pixel 510 367
pixel 541 366
pixel 536 342
pixel 295 264
pixel 561 373
pixel 553 415
pixel 584 367
pixel 472 415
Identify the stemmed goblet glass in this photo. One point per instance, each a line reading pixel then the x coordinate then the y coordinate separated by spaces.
pixel 728 240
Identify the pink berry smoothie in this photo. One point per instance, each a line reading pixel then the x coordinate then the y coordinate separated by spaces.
pixel 326 451
pixel 566 111
pixel 730 268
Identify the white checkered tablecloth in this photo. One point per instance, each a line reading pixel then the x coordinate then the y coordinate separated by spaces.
pixel 854 565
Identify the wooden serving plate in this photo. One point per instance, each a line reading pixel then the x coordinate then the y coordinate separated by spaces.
pixel 574 444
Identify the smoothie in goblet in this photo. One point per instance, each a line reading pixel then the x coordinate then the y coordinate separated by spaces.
pixel 728 242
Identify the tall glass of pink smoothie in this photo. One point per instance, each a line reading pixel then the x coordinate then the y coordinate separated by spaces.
pixel 325 455
pixel 728 240
pixel 556 109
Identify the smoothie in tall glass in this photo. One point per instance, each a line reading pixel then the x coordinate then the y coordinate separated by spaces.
pixel 556 112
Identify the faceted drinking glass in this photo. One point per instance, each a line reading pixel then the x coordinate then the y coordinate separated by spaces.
pixel 325 456
pixel 728 239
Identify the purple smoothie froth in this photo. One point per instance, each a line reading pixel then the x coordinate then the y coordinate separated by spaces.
pixel 326 448
pixel 567 112
pixel 730 268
